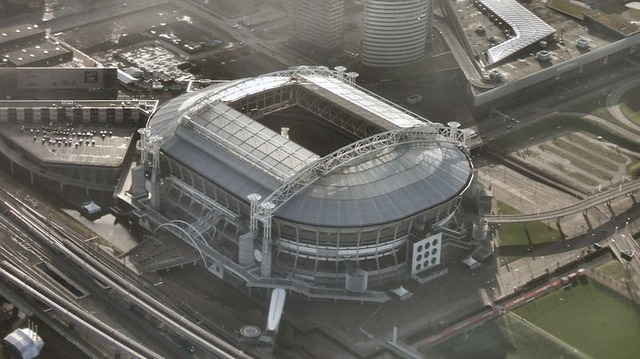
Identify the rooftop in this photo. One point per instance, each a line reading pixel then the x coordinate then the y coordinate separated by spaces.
pixel 368 106
pixel 568 30
pixel 10 34
pixel 72 144
pixel 250 140
pixel 35 53
pixel 528 28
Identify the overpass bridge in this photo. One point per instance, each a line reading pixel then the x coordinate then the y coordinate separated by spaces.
pixel 578 207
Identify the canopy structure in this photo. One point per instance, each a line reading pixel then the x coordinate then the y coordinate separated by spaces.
pixel 528 28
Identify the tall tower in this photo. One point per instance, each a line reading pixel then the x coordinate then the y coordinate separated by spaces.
pixel 395 31
pixel 319 23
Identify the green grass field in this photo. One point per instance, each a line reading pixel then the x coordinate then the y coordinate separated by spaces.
pixel 634 168
pixel 610 330
pixel 576 160
pixel 594 106
pixel 630 105
pixel 506 337
pixel 521 239
pixel 615 271
pixel 556 325
pixel 582 139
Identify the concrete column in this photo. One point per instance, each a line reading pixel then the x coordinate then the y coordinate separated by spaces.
pixel 245 246
pixel 154 190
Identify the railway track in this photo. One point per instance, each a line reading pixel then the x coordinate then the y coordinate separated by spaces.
pixel 54 238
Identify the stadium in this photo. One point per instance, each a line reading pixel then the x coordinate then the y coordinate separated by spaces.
pixel 301 180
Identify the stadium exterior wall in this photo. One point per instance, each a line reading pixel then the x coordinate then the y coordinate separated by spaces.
pixel 313 254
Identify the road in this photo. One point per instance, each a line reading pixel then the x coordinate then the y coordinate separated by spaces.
pixel 557 100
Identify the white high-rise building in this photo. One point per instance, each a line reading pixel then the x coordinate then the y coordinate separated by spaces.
pixel 395 31
pixel 320 23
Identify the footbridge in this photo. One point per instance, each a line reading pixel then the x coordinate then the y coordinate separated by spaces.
pixel 578 207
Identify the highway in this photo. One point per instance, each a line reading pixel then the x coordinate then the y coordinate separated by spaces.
pixel 579 207
pixel 56 245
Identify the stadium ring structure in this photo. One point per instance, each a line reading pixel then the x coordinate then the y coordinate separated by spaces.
pixel 265 211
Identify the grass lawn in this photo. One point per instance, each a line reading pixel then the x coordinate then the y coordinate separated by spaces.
pixel 588 156
pixel 596 106
pixel 615 270
pixel 520 239
pixel 575 160
pixel 610 330
pixel 630 105
pixel 505 337
pixel 634 168
pixel 583 140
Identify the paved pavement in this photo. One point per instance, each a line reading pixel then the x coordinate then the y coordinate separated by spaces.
pixel 621 130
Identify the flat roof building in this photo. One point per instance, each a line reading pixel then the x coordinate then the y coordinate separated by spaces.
pixel 58 83
pixel 79 144
pixel 13 36
pixel 41 54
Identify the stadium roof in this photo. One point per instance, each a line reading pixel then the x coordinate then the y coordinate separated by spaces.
pixel 382 186
pixel 528 28
pixel 242 156
pixel 373 109
pixel 252 141
pixel 167 117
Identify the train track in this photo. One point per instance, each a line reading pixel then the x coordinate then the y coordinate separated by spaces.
pixel 60 239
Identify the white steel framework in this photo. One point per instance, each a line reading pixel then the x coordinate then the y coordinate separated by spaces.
pixel 312 172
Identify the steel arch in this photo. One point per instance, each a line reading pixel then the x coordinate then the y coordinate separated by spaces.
pixel 195 245
pixel 429 133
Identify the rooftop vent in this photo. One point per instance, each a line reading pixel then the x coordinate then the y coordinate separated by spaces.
pixel 582 43
pixel 496 76
pixel 543 56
